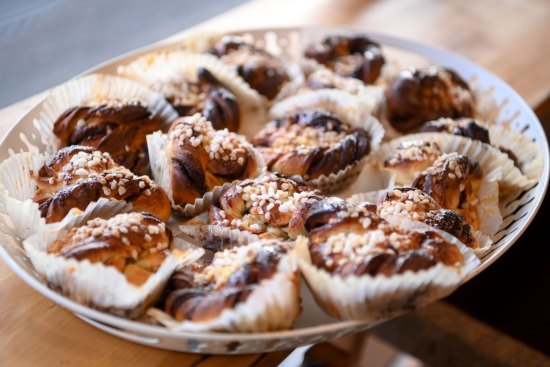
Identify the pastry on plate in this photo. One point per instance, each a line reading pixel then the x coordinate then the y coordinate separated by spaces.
pixel 262 71
pixel 118 265
pixel 350 56
pixel 310 144
pixel 116 127
pixel 194 160
pixel 415 96
pixel 249 288
pixel 269 206
pixel 76 176
pixel 362 267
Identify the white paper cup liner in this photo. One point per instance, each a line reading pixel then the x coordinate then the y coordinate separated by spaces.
pixel 344 105
pixel 91 90
pixel 494 164
pixel 159 159
pixel 215 237
pixel 274 304
pixel 490 225
pixel 373 298
pixel 97 285
pixel 531 161
pixel 18 188
pixel 178 65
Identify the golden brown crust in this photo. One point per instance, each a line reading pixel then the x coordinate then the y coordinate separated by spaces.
pixel 201 292
pixel 417 205
pixel 416 96
pixel 208 96
pixel 76 176
pixel 118 128
pixel 136 244
pixel 453 181
pixel 410 158
pixel 311 144
pixel 269 206
pixel 356 56
pixel 261 70
pixel 203 158
pixel 364 243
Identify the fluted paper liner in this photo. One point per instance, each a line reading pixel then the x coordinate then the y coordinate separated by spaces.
pixel 528 153
pixel 489 225
pixel 372 298
pixel 494 164
pixel 177 65
pixel 274 304
pixel 91 90
pixel 215 236
pixel 159 159
pixel 99 286
pixel 348 109
pixel 17 189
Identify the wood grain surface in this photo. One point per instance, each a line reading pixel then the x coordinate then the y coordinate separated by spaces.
pixel 510 38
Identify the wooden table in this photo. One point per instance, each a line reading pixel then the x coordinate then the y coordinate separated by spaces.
pixel 510 38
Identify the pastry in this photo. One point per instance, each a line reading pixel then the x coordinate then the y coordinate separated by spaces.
pixel 117 265
pixel 353 56
pixel 136 244
pixel 417 205
pixel 453 182
pixel 116 127
pixel 261 70
pixel 199 159
pixel 410 158
pixel 76 176
pixel 246 288
pixel 270 206
pixel 468 128
pixel 417 96
pixel 311 144
pixel 362 267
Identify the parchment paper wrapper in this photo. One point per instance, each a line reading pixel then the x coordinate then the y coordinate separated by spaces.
pixel 348 109
pixel 18 187
pixel 92 90
pixel 216 238
pixel 157 144
pixel 494 164
pixel 99 286
pixel 274 303
pixel 164 67
pixel 484 241
pixel 372 298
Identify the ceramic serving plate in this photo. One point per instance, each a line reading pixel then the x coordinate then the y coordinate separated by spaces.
pixel 313 326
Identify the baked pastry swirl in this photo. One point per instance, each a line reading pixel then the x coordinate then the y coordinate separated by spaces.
pixel 136 244
pixel 410 158
pixel 116 127
pixel 416 205
pixel 468 128
pixel 453 182
pixel 311 144
pixel 208 96
pixel 417 96
pixel 355 56
pixel 76 176
pixel 202 158
pixel 261 70
pixel 359 242
pixel 270 206
pixel 249 288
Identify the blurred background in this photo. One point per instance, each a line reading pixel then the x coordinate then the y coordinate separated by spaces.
pixel 45 42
